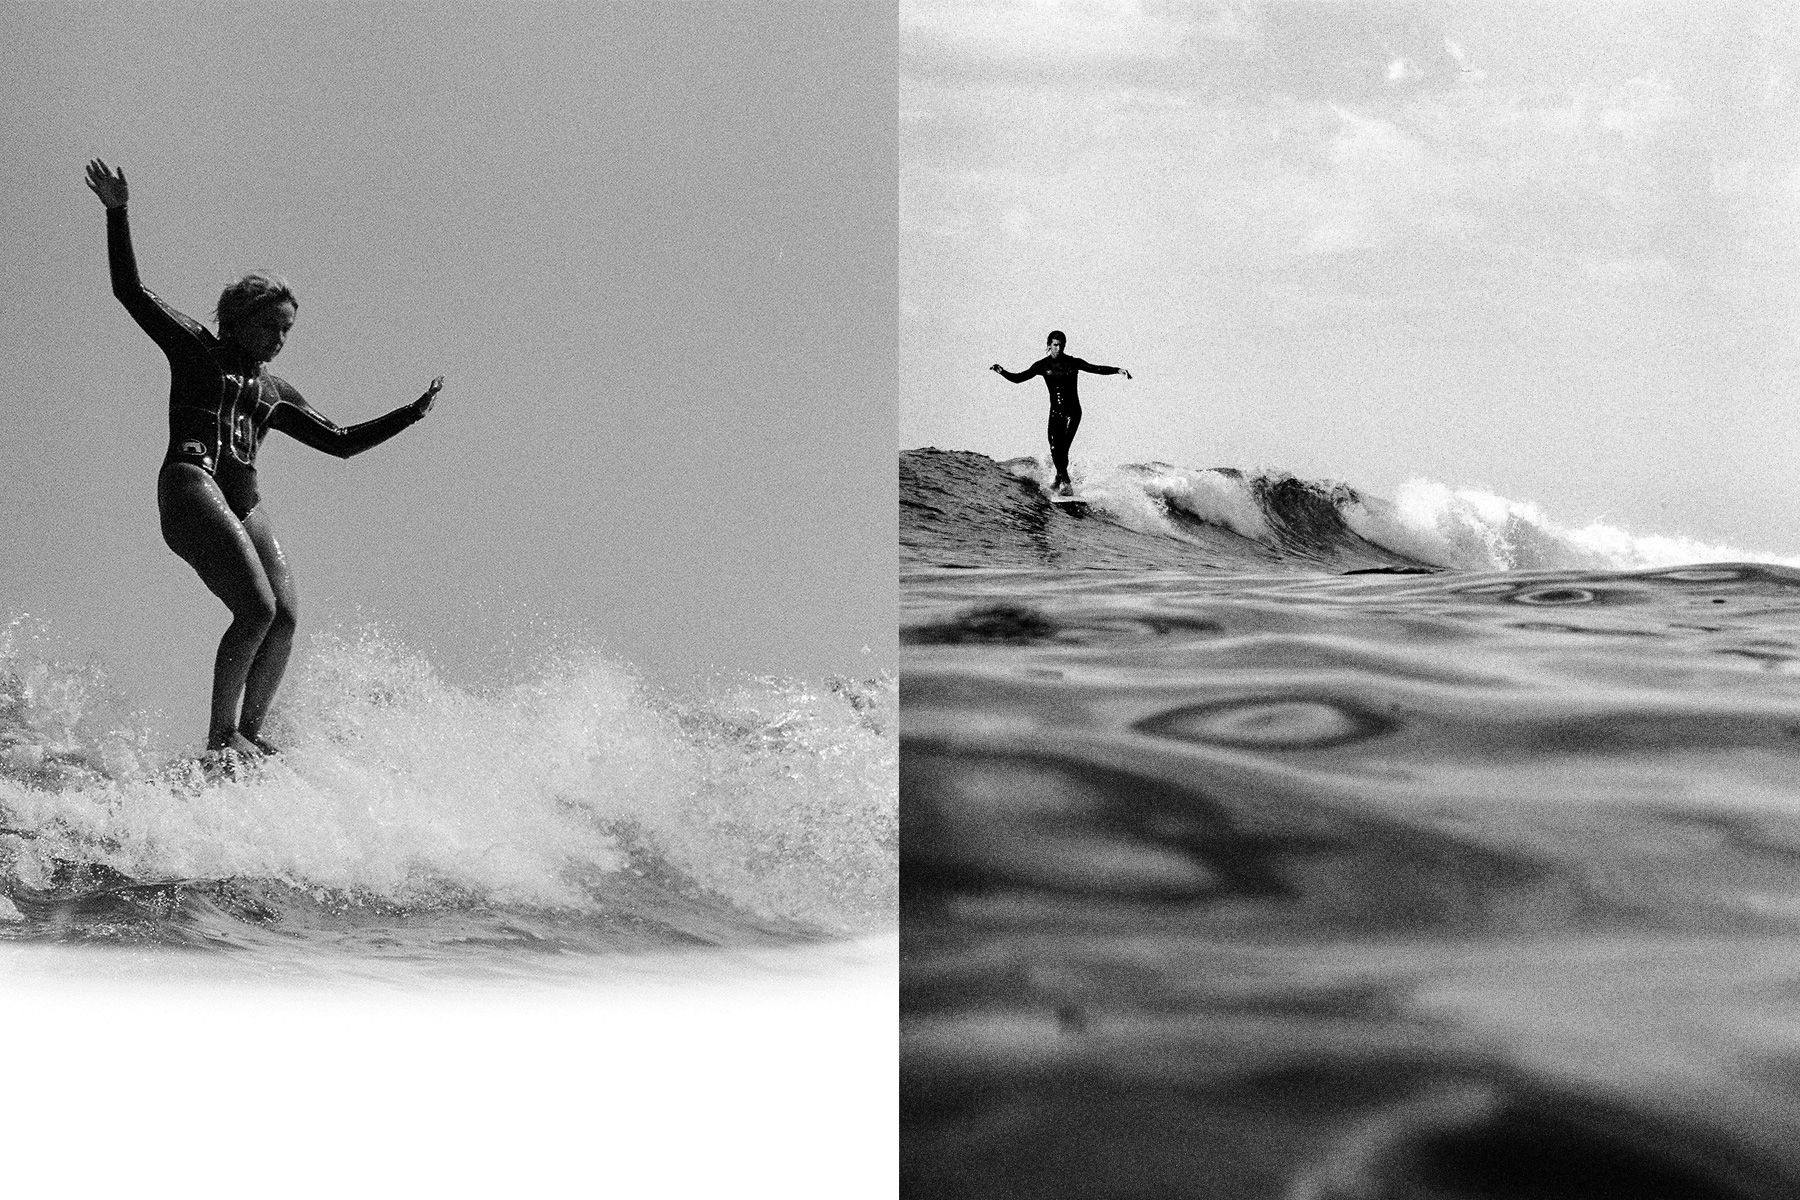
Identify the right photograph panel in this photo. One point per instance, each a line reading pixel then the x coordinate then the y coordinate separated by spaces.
pixel 1350 599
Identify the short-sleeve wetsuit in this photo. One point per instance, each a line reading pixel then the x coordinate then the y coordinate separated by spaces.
pixel 222 404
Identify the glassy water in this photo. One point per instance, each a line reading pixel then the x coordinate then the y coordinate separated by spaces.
pixel 1259 879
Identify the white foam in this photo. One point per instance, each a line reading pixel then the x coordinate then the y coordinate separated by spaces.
pixel 1139 496
pixel 393 783
pixel 1476 529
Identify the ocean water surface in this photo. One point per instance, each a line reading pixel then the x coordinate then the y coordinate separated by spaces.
pixel 1264 839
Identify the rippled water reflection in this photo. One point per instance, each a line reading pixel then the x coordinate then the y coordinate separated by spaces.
pixel 1354 886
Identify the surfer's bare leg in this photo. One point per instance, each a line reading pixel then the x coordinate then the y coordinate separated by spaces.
pixel 271 660
pixel 199 525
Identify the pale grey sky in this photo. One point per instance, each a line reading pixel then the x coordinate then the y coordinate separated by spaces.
pixel 651 245
pixel 1548 249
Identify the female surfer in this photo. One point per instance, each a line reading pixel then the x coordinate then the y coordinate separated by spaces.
pixel 222 401
pixel 1059 371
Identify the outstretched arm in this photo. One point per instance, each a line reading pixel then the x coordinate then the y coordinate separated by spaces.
pixel 1097 369
pixel 1016 376
pixel 168 328
pixel 302 422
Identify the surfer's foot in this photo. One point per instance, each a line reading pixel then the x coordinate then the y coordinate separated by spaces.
pixel 224 763
pixel 230 739
pixel 259 742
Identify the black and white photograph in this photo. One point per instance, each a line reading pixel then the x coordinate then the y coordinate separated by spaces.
pixel 1350 599
pixel 448 696
pixel 949 598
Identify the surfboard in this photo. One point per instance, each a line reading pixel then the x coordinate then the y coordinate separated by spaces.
pixel 1056 499
pixel 110 890
pixel 201 768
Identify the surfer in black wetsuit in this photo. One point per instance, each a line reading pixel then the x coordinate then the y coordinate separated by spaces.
pixel 1060 371
pixel 222 402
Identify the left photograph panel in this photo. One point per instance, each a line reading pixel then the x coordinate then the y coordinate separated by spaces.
pixel 448 586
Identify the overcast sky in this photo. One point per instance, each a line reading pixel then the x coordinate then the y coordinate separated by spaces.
pixel 1549 249
pixel 652 247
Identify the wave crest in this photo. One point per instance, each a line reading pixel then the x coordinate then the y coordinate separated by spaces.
pixel 962 509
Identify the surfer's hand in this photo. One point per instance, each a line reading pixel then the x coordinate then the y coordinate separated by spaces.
pixel 1124 372
pixel 107 184
pixel 995 368
pixel 424 403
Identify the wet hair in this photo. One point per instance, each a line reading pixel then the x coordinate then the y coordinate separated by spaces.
pixel 1056 335
pixel 253 292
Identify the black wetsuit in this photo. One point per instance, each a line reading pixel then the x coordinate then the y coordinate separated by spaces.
pixel 221 404
pixel 1060 372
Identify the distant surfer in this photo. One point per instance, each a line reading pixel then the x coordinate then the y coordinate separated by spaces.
pixel 222 402
pixel 1059 371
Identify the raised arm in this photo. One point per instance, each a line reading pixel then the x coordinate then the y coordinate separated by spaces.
pixel 166 327
pixel 1018 376
pixel 302 422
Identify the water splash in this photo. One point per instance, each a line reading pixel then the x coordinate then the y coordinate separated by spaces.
pixel 397 787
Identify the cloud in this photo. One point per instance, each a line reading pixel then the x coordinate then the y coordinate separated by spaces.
pixel 1018 222
pixel 1325 156
pixel 1067 42
pixel 1322 49
pixel 1382 185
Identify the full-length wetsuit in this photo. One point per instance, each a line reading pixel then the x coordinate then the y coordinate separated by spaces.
pixel 221 404
pixel 1059 372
